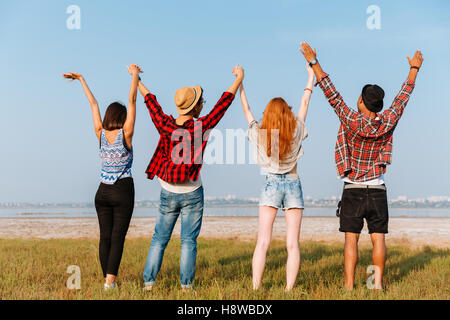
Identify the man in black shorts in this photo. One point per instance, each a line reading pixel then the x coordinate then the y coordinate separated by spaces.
pixel 363 150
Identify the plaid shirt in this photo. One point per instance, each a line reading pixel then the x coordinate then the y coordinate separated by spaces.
pixel 171 161
pixel 364 146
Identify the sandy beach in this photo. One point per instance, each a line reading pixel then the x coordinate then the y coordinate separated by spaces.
pixel 414 232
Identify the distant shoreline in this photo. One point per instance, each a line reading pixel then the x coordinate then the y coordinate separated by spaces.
pixel 208 206
pixel 41 216
pixel 434 202
pixel 211 211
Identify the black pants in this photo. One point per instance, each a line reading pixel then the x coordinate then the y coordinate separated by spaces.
pixel 114 205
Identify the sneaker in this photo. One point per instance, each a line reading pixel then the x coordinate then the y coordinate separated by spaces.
pixel 109 286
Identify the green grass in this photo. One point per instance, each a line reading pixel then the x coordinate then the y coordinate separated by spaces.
pixel 36 269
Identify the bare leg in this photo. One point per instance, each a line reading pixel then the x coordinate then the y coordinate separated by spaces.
pixel 293 223
pixel 350 258
pixel 265 224
pixel 378 257
pixel 110 278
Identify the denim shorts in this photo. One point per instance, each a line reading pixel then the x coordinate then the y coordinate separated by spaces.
pixel 282 191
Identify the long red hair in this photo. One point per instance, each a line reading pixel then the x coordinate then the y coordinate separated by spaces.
pixel 278 115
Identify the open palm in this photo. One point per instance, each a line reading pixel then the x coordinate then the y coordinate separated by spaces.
pixel 72 76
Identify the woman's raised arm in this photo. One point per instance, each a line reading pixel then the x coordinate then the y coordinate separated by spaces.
pixel 97 119
pixel 245 107
pixel 303 111
pixel 128 126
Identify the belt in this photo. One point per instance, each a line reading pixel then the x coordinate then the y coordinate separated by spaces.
pixel 291 175
pixel 364 186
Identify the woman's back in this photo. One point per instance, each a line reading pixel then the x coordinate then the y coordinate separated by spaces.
pixel 273 163
pixel 114 202
pixel 117 159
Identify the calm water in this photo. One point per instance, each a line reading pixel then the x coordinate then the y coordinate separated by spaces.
pixel 209 211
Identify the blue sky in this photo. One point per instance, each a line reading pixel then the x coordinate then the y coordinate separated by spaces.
pixel 49 150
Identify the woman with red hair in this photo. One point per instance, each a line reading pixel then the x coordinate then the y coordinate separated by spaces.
pixel 278 143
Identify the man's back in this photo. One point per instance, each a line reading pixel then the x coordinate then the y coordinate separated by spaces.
pixel 178 156
pixel 364 145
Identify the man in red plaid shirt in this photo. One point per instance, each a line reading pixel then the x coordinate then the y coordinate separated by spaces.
pixel 363 150
pixel 177 162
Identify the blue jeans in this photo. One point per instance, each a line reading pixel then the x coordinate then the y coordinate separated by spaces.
pixel 190 206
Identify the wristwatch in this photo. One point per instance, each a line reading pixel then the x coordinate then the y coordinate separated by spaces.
pixel 313 62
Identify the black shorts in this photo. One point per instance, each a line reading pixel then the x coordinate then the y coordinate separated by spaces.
pixel 359 203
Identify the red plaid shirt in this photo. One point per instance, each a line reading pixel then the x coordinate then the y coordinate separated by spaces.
pixel 364 145
pixel 171 161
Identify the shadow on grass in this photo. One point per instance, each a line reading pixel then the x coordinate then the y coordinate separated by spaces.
pixel 399 262
pixel 396 271
pixel 314 272
pixel 276 259
pixel 401 269
pixel 322 264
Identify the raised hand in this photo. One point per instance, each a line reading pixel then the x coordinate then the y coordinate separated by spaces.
pixel 72 76
pixel 238 72
pixel 309 53
pixel 134 68
pixel 92 101
pixel 416 61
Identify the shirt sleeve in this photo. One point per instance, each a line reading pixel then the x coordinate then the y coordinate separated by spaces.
pixel 346 115
pixel 159 118
pixel 394 113
pixel 212 119
pixel 252 132
pixel 301 127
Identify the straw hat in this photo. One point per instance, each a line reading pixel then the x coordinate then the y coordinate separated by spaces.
pixel 186 98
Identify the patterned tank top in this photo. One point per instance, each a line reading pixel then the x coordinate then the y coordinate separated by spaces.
pixel 116 159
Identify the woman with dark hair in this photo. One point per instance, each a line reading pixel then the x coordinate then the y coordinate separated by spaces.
pixel 114 200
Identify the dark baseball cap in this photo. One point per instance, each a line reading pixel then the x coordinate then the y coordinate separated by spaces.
pixel 372 96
